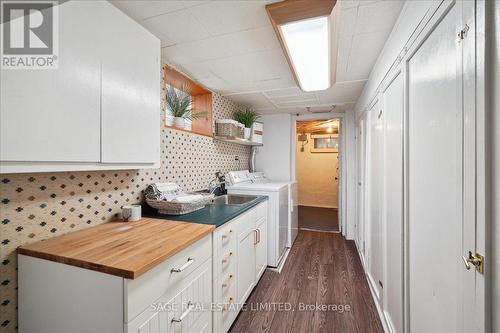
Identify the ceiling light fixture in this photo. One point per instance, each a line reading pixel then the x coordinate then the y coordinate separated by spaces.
pixel 303 30
pixel 308 45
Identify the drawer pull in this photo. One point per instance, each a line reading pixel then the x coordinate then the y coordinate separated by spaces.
pixel 227 236
pixel 226 259
pixel 189 262
pixel 228 304
pixel 190 307
pixel 226 283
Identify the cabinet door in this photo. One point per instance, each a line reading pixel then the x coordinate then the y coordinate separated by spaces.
pixel 130 91
pixel 246 261
pixel 52 115
pixel 261 248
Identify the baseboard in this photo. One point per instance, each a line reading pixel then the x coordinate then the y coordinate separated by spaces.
pixel 380 312
pixel 282 262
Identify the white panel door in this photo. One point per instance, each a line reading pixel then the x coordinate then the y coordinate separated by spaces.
pixel 130 92
pixel 435 221
pixel 360 194
pixel 247 240
pixel 393 203
pixel 261 249
pixel 375 197
pixel 53 115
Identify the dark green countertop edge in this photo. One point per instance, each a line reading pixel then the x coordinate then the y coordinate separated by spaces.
pixel 211 214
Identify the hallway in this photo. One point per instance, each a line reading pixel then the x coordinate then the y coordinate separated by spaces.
pixel 322 269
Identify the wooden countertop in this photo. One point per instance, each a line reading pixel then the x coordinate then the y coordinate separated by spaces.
pixel 125 249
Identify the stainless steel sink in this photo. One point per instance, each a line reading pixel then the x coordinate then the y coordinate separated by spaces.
pixel 233 199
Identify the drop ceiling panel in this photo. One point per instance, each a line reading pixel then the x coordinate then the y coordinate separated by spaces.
pixel 388 10
pixel 177 27
pixel 222 17
pixel 256 100
pixel 341 93
pixel 140 9
pixel 243 42
pixel 230 47
pixel 364 52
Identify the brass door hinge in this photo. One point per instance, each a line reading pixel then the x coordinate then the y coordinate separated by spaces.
pixel 463 32
pixel 477 260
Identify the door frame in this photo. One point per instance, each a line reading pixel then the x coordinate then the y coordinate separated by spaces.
pixel 342 161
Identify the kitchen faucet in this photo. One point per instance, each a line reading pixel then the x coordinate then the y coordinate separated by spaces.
pixel 220 179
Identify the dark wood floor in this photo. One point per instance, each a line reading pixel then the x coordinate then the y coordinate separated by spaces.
pixel 324 269
pixel 318 218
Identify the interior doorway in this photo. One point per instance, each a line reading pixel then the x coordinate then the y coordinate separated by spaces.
pixel 318 174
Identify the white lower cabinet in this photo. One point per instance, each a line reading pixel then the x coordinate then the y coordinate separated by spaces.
pixel 200 289
pixel 240 259
pixel 187 311
pixel 175 296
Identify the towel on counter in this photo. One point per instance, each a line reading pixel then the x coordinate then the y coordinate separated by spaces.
pixel 187 198
pixel 163 191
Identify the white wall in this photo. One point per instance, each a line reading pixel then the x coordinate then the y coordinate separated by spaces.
pixel 274 158
pixel 316 173
pixel 411 15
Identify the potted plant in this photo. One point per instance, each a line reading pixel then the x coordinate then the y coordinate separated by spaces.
pixel 180 107
pixel 247 117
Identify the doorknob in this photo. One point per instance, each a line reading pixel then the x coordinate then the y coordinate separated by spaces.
pixel 477 260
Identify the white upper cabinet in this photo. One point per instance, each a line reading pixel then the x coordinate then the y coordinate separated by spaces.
pixel 130 92
pixel 52 115
pixel 99 110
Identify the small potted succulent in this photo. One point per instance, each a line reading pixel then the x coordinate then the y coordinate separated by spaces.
pixel 247 117
pixel 180 107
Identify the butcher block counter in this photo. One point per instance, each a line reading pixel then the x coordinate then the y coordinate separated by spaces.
pixel 124 249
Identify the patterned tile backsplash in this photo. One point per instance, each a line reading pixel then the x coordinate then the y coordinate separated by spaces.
pixel 42 205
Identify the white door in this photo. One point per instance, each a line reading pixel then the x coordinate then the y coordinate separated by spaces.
pixel 131 97
pixel 435 160
pixel 360 149
pixel 247 239
pixel 375 197
pixel 52 115
pixel 261 248
pixel 393 203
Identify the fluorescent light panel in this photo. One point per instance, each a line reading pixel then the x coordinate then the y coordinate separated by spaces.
pixel 308 46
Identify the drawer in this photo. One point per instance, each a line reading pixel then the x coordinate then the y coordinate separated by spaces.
pixel 226 234
pixel 188 310
pixel 165 278
pixel 227 259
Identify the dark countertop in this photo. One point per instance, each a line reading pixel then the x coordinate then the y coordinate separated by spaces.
pixel 211 214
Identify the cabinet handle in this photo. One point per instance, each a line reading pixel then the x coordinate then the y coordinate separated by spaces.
pixel 228 304
pixel 255 237
pixel 226 259
pixel 258 235
pixel 190 307
pixel 226 283
pixel 189 262
pixel 228 234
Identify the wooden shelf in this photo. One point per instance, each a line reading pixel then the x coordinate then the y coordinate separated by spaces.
pixel 239 141
pixel 188 131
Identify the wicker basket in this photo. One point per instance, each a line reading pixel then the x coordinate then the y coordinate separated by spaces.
pixel 178 208
pixel 226 127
